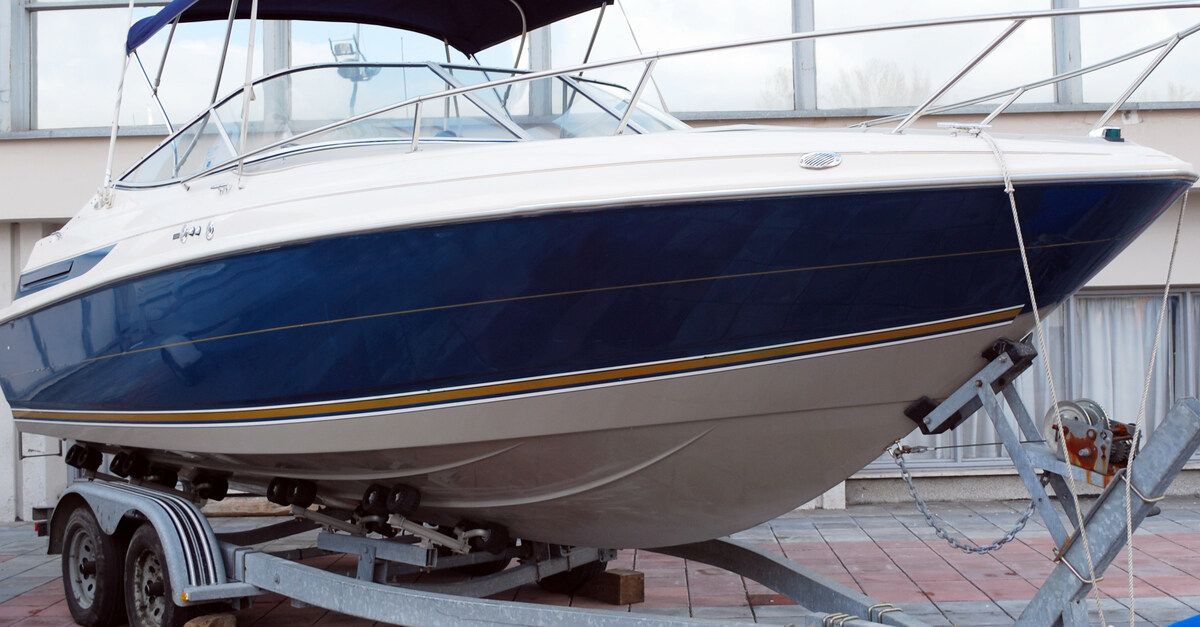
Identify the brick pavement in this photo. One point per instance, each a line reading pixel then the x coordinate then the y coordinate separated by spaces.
pixel 885 551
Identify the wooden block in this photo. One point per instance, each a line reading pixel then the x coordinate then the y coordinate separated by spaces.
pixel 617 586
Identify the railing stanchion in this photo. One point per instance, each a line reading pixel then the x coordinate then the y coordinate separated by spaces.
pixel 1137 82
pixel 636 96
pixel 919 111
pixel 1017 93
pixel 416 136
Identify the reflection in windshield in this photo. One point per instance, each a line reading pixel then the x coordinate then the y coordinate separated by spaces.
pixel 293 109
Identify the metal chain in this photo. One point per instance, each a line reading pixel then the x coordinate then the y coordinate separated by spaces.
pixel 937 523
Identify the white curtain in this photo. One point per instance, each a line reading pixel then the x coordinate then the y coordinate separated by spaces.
pixel 1116 336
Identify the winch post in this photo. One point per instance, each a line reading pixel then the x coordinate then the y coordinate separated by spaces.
pixel 1060 599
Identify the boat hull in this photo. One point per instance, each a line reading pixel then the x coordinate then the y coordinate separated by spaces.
pixel 621 376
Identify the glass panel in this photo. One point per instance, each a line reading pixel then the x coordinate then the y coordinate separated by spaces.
pixel 901 68
pixel 1116 335
pixel 197 148
pixel 304 100
pixel 756 78
pixel 79 58
pixel 1106 36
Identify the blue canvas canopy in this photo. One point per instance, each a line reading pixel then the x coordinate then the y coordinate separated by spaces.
pixel 468 25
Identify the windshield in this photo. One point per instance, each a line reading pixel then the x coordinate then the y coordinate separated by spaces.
pixel 346 103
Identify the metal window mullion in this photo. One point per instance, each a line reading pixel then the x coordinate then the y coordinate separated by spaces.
pixel 804 57
pixel 541 96
pixel 1072 367
pixel 1068 53
pixel 22 80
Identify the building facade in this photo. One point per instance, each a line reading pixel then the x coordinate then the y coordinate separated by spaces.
pixel 60 62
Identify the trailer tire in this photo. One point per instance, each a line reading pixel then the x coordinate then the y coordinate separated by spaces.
pixel 92 567
pixel 149 598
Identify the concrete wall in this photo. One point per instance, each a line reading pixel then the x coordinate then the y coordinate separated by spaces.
pixel 45 179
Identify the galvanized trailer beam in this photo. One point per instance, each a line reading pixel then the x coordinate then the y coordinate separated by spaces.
pixel 415 607
pixel 790 579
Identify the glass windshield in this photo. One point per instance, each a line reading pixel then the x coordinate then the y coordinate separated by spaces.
pixel 306 107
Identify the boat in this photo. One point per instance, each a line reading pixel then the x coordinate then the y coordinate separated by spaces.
pixel 572 318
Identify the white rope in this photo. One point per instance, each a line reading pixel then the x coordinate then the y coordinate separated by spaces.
pixel 1139 422
pixel 1046 367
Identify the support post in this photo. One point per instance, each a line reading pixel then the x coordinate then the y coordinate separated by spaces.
pixel 804 57
pixel 16 73
pixel 1067 54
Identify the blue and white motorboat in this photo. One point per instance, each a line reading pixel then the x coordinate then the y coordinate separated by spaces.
pixel 534 300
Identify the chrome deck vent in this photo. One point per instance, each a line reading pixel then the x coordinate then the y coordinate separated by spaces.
pixel 820 160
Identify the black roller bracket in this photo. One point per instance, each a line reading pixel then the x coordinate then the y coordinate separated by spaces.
pixel 1011 358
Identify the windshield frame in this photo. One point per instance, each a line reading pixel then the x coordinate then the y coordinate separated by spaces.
pixel 579 85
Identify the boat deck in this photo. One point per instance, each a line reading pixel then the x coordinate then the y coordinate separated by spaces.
pixel 884 550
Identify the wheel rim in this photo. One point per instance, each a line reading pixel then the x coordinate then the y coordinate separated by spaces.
pixel 81 567
pixel 149 589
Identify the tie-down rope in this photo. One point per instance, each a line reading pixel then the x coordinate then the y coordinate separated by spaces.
pixel 1046 367
pixel 1141 415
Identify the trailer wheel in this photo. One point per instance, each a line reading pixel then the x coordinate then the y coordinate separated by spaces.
pixel 91 571
pixel 149 599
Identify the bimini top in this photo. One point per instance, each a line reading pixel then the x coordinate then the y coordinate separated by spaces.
pixel 468 25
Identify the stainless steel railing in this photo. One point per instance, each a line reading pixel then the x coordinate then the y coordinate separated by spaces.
pixel 650 60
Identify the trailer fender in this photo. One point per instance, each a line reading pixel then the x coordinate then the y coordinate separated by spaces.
pixel 192 551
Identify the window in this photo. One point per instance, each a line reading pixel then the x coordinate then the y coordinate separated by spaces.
pixel 1175 80
pixel 902 68
pixel 79 63
pixel 76 63
pixel 758 78
pixel 1115 335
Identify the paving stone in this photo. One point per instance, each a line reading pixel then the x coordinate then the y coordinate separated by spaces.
pixel 723 612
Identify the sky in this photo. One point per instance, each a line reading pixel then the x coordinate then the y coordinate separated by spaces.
pixel 79 56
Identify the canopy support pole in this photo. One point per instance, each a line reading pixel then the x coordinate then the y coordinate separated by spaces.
pixel 520 49
pixel 587 54
pixel 247 89
pixel 105 196
pixel 216 90
pixel 162 64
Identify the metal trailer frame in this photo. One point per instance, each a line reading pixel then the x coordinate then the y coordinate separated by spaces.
pixel 1061 598
pixel 206 567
